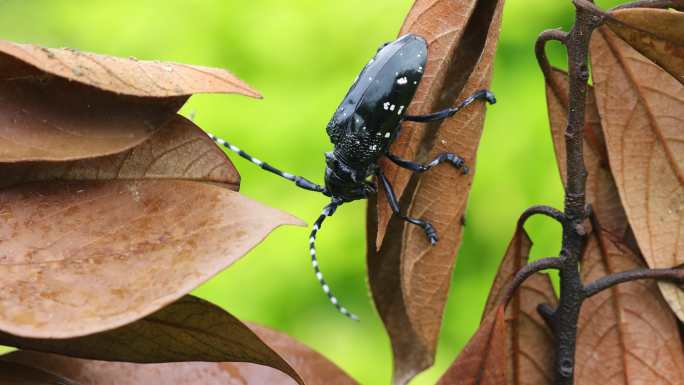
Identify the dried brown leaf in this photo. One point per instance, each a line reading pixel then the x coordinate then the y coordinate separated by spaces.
pixel 17 374
pixel 642 111
pixel 62 104
pixel 187 330
pixel 600 187
pixel 126 76
pixel 482 360
pixel 141 229
pixel 626 334
pixel 181 150
pixel 530 342
pixel 657 33
pixel 48 118
pixel 462 39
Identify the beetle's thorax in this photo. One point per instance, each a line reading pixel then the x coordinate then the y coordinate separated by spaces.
pixel 345 182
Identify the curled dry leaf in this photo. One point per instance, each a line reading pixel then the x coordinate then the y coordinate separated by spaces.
pixel 126 76
pixel 657 33
pixel 60 104
pixel 141 229
pixel 627 328
pixel 642 111
pixel 189 329
pixel 462 38
pixel 17 374
pixel 482 360
pixel 222 335
pixel 529 342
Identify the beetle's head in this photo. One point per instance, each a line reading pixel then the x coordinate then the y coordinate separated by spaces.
pixel 345 183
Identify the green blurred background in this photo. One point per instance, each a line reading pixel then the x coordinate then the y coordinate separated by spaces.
pixel 302 55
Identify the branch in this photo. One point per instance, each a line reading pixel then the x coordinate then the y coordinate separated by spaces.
pixel 673 275
pixel 526 272
pixel 540 48
pixel 541 210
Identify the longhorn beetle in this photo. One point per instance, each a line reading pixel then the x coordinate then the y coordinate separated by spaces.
pixel 362 129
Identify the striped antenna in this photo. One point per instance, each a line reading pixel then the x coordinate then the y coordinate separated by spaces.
pixel 327 211
pixel 298 180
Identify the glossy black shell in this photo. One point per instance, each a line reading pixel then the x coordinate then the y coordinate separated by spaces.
pixel 368 118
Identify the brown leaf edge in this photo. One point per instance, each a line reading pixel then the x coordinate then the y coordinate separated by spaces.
pixel 12 373
pixel 482 360
pixel 125 76
pixel 190 329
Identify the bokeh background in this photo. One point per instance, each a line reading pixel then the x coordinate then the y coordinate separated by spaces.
pixel 302 55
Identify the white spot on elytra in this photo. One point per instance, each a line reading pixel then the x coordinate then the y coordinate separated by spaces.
pixel 415 82
pixel 373 147
pixel 420 68
pixel 402 80
pixel 401 108
pixel 392 107
pixel 387 134
pixel 386 105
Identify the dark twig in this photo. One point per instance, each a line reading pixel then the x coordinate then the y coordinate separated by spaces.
pixel 671 275
pixel 526 272
pixel 541 210
pixel 540 48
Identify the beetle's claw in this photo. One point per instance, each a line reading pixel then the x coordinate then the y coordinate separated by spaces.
pixel 431 234
pixel 490 97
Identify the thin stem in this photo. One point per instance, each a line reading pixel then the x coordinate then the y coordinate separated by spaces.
pixel 540 47
pixel 672 275
pixel 526 272
pixel 548 211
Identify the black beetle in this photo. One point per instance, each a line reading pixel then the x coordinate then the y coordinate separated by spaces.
pixel 362 129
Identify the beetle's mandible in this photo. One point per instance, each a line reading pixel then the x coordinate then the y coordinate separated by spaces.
pixel 362 129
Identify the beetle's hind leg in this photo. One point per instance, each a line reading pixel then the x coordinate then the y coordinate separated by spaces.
pixel 439 115
pixel 450 157
pixel 394 204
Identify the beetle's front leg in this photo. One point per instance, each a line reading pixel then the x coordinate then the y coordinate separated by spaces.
pixel 439 115
pixel 394 204
pixel 450 157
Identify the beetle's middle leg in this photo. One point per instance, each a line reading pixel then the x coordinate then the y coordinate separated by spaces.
pixel 394 204
pixel 439 115
pixel 450 157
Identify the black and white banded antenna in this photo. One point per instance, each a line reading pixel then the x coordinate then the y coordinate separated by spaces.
pixel 298 180
pixel 328 210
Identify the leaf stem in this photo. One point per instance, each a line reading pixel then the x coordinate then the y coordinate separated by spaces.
pixel 673 275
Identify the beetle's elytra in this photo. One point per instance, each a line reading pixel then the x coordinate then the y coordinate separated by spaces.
pixel 362 128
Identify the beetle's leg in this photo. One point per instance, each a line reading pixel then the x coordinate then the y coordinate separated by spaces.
pixel 328 211
pixel 427 227
pixel 298 180
pixel 439 115
pixel 450 157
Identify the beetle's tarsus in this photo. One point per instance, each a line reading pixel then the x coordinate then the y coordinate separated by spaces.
pixel 431 233
pixel 440 115
pixel 450 157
